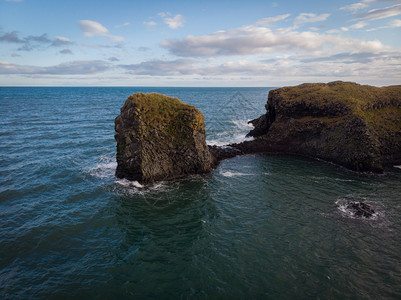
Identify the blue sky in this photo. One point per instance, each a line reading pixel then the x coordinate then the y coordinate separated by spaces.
pixel 199 43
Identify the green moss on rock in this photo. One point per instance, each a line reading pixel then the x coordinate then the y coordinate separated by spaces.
pixel 357 126
pixel 160 138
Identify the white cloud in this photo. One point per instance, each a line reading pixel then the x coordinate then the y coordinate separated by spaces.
pixel 310 18
pixel 359 25
pixel 69 68
pixel 162 67
pixel 392 24
pixel 150 23
pixel 91 28
pixel 271 20
pixel 345 66
pixel 382 13
pixel 250 40
pixel 395 23
pixel 123 25
pixel 355 6
pixel 62 38
pixel 364 4
pixel 333 31
pixel 173 22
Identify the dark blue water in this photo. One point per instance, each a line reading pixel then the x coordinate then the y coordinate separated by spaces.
pixel 257 227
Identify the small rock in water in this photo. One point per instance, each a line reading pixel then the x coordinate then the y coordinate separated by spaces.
pixel 360 209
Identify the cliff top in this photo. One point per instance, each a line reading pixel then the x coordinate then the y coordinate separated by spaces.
pixel 350 94
pixel 334 99
pixel 158 110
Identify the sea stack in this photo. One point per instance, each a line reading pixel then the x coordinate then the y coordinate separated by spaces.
pixel 355 126
pixel 160 138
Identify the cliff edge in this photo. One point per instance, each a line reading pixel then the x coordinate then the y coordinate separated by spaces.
pixel 356 126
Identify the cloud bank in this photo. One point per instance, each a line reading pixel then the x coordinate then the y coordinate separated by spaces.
pixel 33 42
pixel 68 68
pixel 252 39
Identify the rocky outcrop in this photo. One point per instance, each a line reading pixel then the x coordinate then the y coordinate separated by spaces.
pixel 224 152
pixel 360 209
pixel 160 138
pixel 356 126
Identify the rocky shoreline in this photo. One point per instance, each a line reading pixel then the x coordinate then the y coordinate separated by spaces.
pixel 355 126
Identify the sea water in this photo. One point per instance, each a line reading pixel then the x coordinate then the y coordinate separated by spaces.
pixel 257 227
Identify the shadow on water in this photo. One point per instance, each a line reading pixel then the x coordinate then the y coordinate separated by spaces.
pixel 159 227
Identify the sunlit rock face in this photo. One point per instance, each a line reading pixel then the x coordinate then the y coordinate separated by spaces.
pixel 160 138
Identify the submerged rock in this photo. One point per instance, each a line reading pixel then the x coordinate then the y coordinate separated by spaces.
pixel 160 138
pixel 360 209
pixel 356 126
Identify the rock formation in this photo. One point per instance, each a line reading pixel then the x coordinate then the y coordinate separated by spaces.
pixel 160 138
pixel 356 126
pixel 360 209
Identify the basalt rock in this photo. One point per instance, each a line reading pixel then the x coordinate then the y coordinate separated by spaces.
pixel 160 138
pixel 360 209
pixel 224 152
pixel 356 126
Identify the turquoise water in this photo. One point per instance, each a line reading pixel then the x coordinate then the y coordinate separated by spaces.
pixel 257 227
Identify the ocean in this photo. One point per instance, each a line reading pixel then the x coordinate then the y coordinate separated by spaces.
pixel 257 227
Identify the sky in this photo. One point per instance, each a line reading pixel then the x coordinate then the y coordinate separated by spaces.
pixel 199 43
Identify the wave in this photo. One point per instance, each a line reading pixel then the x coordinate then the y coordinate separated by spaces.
pixel 127 183
pixel 232 174
pixel 105 168
pixel 234 133
pixel 227 138
pixel 242 124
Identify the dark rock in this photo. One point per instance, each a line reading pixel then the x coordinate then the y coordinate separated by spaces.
pixel 360 209
pixel 356 126
pixel 224 152
pixel 160 138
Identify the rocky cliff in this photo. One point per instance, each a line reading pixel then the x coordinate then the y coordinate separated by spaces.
pixel 356 126
pixel 160 138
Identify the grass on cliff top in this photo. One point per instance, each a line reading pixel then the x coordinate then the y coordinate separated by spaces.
pixel 350 94
pixel 158 110
pixel 380 107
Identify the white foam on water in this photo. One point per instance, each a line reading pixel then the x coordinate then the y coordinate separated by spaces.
pixel 105 168
pixel 243 124
pixel 343 180
pixel 228 137
pixel 127 183
pixel 219 143
pixel 236 134
pixel 127 187
pixel 232 174
pixel 342 206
